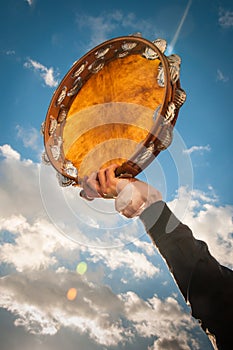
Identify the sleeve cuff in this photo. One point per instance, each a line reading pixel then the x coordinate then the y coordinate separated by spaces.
pixel 159 220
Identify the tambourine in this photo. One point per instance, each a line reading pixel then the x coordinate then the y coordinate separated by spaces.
pixel 117 104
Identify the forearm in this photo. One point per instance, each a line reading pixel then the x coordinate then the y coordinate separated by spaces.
pixel 206 284
pixel 174 241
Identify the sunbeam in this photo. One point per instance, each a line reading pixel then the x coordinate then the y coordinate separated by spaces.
pixel 177 33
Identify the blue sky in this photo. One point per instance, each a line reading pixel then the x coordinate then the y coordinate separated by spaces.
pixel 126 299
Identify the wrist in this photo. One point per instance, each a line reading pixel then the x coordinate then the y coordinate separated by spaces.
pixel 135 197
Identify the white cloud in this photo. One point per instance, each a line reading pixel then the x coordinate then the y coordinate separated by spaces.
pixel 31 137
pixel 107 23
pixel 24 214
pixel 10 52
pixel 172 343
pixel 47 74
pixel 221 76
pixel 145 246
pixel 43 246
pixel 209 222
pixel 225 18
pixel 39 303
pixel 9 153
pixel 100 27
pixel 30 2
pixel 19 186
pixel 164 319
pixel 197 149
pixel 124 258
pixel 35 245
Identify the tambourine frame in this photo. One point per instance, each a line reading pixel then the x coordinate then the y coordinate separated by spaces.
pixel 75 80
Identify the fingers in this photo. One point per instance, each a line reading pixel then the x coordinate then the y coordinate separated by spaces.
pixel 107 176
pixel 107 180
pixel 111 177
pixel 102 180
pixel 83 194
pixel 91 187
pixel 101 184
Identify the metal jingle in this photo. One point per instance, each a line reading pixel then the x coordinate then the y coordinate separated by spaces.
pixel 96 66
pixel 63 180
pixel 122 54
pixel 70 169
pixel 160 77
pixel 42 128
pixel 128 46
pixel 170 113
pixel 145 154
pixel 56 148
pixel 45 159
pixel 52 125
pixel 161 44
pixel 62 114
pixel 83 194
pixel 76 87
pixel 78 71
pixel 165 138
pixel 102 52
pixel 150 54
pixel 61 96
pixel 180 97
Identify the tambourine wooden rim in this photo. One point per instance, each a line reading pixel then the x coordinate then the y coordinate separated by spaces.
pixel 159 137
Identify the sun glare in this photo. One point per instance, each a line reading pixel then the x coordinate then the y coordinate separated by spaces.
pixel 72 294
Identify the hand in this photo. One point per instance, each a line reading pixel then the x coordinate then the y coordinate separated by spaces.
pixel 103 184
pixel 131 195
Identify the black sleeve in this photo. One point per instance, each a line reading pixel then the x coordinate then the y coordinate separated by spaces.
pixel 204 283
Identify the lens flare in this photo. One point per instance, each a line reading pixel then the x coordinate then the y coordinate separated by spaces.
pixel 81 268
pixel 71 294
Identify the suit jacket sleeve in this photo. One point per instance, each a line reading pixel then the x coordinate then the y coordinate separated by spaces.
pixel 204 283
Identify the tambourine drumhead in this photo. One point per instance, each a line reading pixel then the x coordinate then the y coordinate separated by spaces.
pixel 111 113
pixel 117 104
